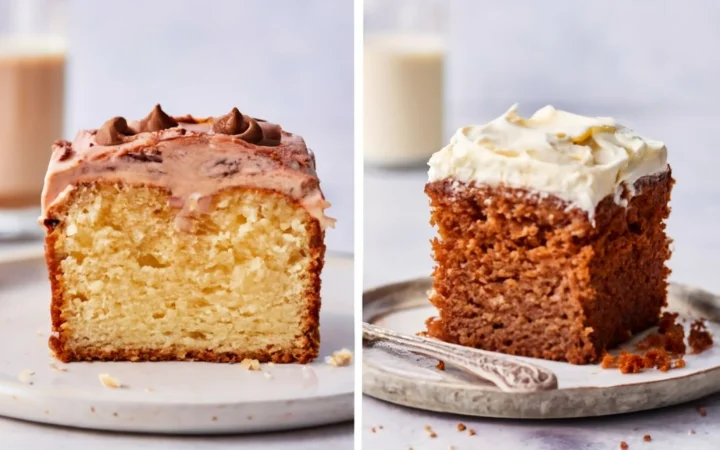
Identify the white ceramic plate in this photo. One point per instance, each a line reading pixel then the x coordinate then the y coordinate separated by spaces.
pixel 395 375
pixel 168 397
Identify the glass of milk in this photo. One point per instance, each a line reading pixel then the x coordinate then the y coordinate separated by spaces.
pixel 32 84
pixel 404 59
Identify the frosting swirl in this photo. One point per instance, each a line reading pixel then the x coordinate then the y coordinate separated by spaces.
pixel 576 158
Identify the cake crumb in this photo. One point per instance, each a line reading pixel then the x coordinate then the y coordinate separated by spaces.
pixel 700 338
pixel 268 375
pixel 372 430
pixel 659 358
pixel 691 432
pixel 214 418
pixel 440 365
pixel 57 368
pixel 430 431
pixel 250 364
pixel 630 362
pixel 471 432
pixel 340 358
pixel 608 361
pixel 702 411
pixel 623 445
pixel 109 382
pixel 461 427
pixel 25 376
pixel 647 438
pixel 680 363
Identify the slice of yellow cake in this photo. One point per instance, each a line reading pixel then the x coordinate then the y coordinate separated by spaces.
pixel 184 239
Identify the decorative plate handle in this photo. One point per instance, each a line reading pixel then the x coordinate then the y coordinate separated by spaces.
pixel 505 372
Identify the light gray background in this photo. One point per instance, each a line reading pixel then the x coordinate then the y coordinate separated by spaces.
pixel 287 61
pixel 653 64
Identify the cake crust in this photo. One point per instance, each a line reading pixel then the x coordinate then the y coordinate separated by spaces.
pixel 307 342
pixel 524 274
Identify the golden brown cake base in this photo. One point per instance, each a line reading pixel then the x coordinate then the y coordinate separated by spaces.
pixel 522 275
pixel 242 282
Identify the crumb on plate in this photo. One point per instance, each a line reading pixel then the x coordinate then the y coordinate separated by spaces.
pixel 340 358
pixel 25 376
pixel 109 382
pixel 250 364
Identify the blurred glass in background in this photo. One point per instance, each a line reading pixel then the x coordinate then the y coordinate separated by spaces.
pixel 32 80
pixel 404 59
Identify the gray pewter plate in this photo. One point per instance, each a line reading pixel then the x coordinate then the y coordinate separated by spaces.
pixel 396 375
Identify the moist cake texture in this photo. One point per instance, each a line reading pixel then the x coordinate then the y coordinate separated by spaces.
pixel 551 235
pixel 177 238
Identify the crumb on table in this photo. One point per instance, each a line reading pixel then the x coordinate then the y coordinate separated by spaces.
pixel 702 411
pixel 647 438
pixel 623 445
pixel 461 427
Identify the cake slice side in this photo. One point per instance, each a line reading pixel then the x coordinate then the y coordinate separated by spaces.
pixel 523 274
pixel 629 271
pixel 511 271
pixel 242 281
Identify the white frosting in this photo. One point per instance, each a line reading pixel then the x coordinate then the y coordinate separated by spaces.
pixel 578 159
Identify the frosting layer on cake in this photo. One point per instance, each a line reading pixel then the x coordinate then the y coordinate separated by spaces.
pixel 193 158
pixel 578 159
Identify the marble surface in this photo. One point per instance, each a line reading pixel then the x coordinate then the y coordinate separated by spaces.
pixel 18 435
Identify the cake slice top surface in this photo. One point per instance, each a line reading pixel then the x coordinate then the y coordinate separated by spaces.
pixel 192 157
pixel 578 159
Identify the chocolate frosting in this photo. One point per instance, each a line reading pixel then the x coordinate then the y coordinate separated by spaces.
pixel 155 121
pixel 113 132
pixel 247 128
pixel 194 158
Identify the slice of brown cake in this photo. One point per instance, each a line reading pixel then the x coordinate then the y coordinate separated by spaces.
pixel 551 236
pixel 184 239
